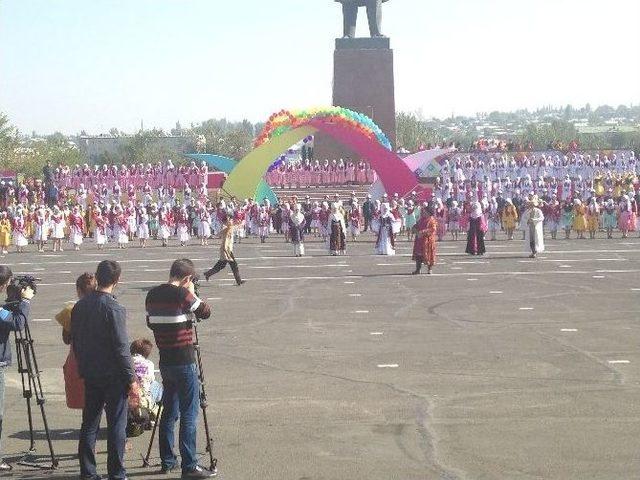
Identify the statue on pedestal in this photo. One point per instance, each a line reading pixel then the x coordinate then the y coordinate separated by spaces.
pixel 374 15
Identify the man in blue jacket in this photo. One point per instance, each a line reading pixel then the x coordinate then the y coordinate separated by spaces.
pixel 101 344
pixel 10 321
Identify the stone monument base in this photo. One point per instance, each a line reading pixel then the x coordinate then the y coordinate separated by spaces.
pixel 363 81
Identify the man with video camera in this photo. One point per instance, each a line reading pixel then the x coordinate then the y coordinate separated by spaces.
pixel 10 321
pixel 171 308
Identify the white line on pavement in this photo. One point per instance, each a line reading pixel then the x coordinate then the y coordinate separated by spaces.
pixel 568 329
pixel 376 333
pixel 615 362
pixel 388 365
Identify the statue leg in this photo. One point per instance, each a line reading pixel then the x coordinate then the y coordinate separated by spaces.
pixel 374 15
pixel 350 14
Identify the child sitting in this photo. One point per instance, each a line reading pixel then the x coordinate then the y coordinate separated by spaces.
pixel 143 400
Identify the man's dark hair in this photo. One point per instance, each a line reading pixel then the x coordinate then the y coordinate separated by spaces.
pixel 108 273
pixel 182 268
pixel 5 274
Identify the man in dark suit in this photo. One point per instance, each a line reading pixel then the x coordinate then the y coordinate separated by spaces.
pixel 101 345
pixel 350 14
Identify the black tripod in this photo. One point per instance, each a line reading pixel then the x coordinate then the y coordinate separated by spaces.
pixel 213 462
pixel 32 387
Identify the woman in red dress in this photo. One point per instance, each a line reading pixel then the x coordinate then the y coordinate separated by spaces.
pixel 424 246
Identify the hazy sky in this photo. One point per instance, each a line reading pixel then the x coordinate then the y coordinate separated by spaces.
pixel 69 65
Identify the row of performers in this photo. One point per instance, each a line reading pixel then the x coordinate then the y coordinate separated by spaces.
pixel 317 174
pixel 162 173
pixel 565 188
pixel 36 194
pixel 539 165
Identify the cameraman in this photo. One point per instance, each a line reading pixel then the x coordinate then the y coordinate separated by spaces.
pixel 170 311
pixel 10 321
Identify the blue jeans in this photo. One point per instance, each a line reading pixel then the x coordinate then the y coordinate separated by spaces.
pixel 110 395
pixel 181 399
pixel 1 405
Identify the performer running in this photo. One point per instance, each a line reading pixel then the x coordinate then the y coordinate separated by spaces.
pixel 226 254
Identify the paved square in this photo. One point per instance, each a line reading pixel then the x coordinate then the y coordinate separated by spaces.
pixel 324 367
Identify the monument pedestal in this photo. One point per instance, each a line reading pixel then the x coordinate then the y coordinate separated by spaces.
pixel 363 81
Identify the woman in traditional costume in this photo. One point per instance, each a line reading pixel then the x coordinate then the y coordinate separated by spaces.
pixel 609 217
pixel 579 218
pixel 5 233
pixel 424 245
pixel 593 217
pixel 337 231
pixel 509 218
pixel 298 225
pixel 534 236
pixel 386 226
pixel 475 234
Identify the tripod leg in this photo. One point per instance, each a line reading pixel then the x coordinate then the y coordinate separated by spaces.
pixel 145 460
pixel 213 462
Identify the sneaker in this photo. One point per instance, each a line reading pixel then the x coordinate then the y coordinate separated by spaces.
pixel 165 470
pixel 199 472
pixel 5 467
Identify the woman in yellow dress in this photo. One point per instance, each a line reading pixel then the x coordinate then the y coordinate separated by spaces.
pixel 593 218
pixel 5 233
pixel 579 218
pixel 509 218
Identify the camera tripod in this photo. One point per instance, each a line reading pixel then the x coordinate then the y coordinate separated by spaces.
pixel 31 387
pixel 213 462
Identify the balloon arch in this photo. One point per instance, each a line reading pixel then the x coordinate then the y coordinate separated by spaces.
pixel 352 129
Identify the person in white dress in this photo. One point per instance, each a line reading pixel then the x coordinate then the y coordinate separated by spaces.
pixel 58 225
pixel 204 226
pixel 386 226
pixel 143 227
pixel 534 236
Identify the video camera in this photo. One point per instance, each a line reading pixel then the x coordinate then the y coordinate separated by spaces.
pixel 19 283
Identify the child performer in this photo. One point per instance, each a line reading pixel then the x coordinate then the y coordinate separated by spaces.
pixel 455 214
pixel 143 227
pixel 204 227
pixel 76 228
pixel 593 218
pixel 298 225
pixel 580 218
pixel 264 223
pixel 610 218
pixel 100 232
pixel 567 219
pixel 164 219
pixel 58 224
pixel 355 220
pixel 121 228
pixel 19 232
pixel 41 221
pixel 410 219
pixel 509 218
pixel 183 227
pixel 424 245
pixel 5 233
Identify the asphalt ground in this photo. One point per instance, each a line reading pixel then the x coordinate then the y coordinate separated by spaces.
pixel 322 367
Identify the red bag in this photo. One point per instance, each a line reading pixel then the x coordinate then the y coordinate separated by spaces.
pixel 73 384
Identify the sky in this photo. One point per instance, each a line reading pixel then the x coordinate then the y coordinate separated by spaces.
pixel 71 65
